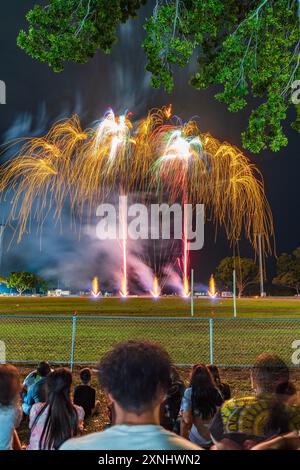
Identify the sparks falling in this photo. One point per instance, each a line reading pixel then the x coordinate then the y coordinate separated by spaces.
pixel 185 260
pixel 76 168
pixel 172 168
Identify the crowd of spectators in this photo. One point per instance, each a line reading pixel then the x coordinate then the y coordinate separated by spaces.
pixel 150 407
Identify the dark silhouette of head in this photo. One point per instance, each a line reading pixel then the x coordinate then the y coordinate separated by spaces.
pixel 136 374
pixel 215 374
pixel 85 375
pixel 43 369
pixel 205 396
pixel 10 385
pixel 269 372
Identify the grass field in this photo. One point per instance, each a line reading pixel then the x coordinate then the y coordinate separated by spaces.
pixel 235 342
pixel 165 306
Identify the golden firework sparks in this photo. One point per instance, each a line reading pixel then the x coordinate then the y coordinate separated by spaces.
pixel 156 155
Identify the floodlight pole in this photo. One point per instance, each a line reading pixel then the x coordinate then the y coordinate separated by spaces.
pixel 2 228
pixel 192 293
pixel 261 268
pixel 234 292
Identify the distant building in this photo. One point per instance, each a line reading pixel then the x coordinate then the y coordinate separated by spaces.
pixel 227 294
pixel 58 293
pixel 202 293
pixel 83 293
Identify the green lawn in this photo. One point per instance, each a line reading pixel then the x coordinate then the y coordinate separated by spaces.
pixel 170 306
pixel 235 342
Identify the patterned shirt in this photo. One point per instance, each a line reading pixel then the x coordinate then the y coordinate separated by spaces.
pixel 248 416
pixel 37 430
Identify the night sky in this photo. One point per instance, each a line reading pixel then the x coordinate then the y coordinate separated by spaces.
pixel 37 97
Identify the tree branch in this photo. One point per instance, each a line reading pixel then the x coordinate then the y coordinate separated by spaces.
pixel 175 19
pixel 83 21
pixel 255 13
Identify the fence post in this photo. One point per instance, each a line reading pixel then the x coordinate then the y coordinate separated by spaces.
pixel 74 321
pixel 192 292
pixel 211 341
pixel 234 292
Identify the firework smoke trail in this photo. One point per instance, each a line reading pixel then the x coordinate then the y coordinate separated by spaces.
pixel 185 280
pixel 118 131
pixel 178 153
pixel 111 147
pixel 117 157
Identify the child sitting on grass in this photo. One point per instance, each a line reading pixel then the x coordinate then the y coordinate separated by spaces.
pixel 85 395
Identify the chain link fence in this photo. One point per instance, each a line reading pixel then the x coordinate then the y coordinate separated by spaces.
pixel 84 339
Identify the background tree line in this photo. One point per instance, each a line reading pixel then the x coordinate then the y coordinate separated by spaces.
pixel 24 281
pixel 247 272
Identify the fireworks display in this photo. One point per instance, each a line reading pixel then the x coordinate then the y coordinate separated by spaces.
pixel 95 288
pixel 212 292
pixel 157 156
pixel 156 289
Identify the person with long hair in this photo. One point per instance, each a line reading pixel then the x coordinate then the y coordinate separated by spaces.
pixel 224 388
pixel 199 405
pixel 53 422
pixel 10 409
pixel 169 411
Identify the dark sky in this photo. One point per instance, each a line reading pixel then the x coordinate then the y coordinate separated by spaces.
pixel 36 97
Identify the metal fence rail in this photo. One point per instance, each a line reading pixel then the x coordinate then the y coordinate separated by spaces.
pixel 84 339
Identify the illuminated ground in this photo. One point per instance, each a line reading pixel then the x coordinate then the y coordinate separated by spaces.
pixel 170 306
pixel 235 343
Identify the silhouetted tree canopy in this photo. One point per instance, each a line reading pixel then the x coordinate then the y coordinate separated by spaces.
pixel 246 273
pixel 288 270
pixel 249 48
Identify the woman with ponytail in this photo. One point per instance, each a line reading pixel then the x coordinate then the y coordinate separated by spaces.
pixel 53 422
pixel 223 388
pixel 199 405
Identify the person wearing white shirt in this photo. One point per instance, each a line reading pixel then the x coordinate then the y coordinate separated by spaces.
pixel 136 377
